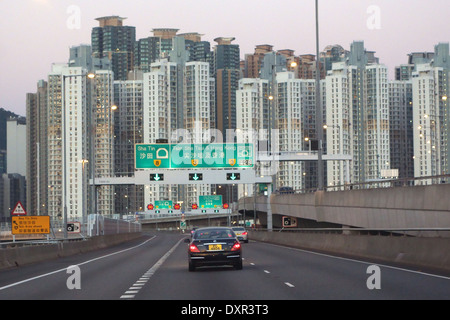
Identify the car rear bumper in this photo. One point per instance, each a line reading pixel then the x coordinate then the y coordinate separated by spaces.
pixel 215 258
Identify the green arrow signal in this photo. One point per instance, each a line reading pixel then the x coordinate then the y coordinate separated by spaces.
pixel 196 176
pixel 232 176
pixel 156 177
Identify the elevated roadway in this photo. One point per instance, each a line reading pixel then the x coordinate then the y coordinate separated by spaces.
pixel 411 207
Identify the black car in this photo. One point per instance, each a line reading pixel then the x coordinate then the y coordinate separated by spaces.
pixel 214 246
pixel 286 190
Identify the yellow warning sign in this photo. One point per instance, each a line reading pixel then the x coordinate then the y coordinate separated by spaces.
pixel 30 225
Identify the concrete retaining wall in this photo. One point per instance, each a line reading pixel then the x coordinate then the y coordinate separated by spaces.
pixel 430 253
pixel 19 256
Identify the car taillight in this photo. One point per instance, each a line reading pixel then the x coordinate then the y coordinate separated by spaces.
pixel 244 233
pixel 193 248
pixel 236 246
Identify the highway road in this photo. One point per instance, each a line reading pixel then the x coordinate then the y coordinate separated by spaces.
pixel 155 267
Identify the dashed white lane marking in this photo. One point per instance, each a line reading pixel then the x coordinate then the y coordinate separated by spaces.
pixel 289 284
pixel 144 278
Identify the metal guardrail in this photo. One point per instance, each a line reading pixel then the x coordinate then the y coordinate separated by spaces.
pixel 94 226
pixel 384 183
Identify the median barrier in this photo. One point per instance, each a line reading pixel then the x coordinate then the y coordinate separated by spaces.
pixel 22 255
pixel 420 252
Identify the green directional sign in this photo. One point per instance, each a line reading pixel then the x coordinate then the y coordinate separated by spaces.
pixel 152 156
pixel 210 201
pixel 163 204
pixel 191 156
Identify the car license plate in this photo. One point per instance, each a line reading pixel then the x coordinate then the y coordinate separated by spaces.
pixel 215 247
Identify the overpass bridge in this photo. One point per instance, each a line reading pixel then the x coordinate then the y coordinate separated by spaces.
pixel 414 210
pixel 403 207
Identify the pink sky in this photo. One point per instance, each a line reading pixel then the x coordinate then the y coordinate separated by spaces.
pixel 36 33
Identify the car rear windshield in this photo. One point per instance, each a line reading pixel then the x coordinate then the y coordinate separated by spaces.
pixel 239 229
pixel 214 234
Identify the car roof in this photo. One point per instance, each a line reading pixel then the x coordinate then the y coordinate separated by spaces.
pixel 215 228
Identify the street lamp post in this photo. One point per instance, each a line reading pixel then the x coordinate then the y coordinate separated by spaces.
pixel 319 115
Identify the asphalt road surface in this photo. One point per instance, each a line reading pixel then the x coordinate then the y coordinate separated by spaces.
pixel 155 267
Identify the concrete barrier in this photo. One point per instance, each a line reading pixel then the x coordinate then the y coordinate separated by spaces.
pixel 23 255
pixel 429 253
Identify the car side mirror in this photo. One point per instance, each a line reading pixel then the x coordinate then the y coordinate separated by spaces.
pixel 187 240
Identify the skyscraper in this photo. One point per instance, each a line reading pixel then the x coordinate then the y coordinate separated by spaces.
pixel 227 73
pixel 431 114
pixel 79 139
pixel 357 110
pixel 115 41
pixel 401 127
pixel 128 130
pixel 37 150
pixel 160 113
pixel 161 116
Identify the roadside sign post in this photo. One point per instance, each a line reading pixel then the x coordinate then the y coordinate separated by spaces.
pixel 26 225
pixel 183 223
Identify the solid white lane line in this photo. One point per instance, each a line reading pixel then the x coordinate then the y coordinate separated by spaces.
pixel 65 269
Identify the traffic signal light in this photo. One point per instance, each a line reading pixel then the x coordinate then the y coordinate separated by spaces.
pixel 150 207
pixel 177 206
pixel 194 206
pixel 225 206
